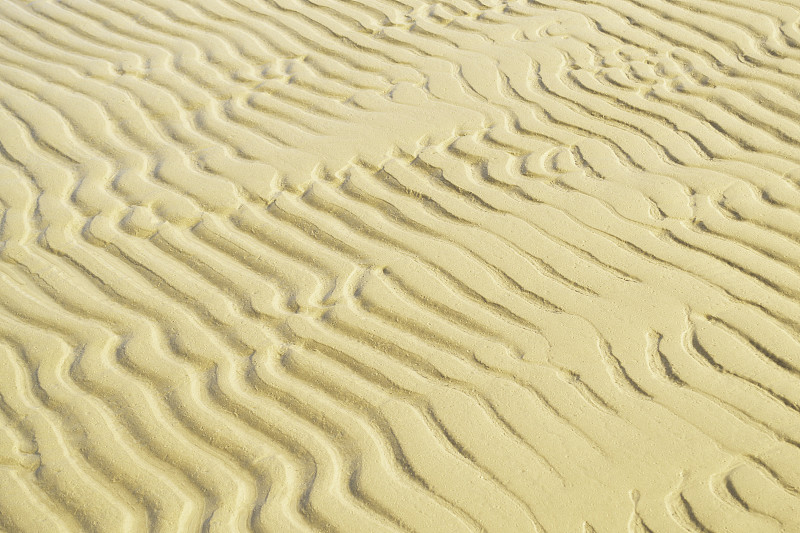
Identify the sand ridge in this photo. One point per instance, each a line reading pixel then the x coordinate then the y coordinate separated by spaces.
pixel 328 265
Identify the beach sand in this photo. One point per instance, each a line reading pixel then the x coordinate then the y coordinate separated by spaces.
pixel 399 265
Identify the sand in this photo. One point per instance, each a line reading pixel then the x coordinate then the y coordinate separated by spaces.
pixel 395 265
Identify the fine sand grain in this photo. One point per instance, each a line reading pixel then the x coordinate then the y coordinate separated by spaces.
pixel 394 265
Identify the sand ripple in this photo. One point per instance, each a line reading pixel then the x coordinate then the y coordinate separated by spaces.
pixel 350 265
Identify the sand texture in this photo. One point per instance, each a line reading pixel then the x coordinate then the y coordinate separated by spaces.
pixel 400 265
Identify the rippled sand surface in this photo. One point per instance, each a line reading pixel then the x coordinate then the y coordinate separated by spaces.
pixel 396 265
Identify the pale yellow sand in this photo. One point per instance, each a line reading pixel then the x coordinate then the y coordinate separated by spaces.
pixel 392 265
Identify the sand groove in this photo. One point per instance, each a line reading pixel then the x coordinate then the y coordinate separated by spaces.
pixel 395 265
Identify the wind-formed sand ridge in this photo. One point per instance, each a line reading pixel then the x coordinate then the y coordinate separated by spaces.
pixel 386 265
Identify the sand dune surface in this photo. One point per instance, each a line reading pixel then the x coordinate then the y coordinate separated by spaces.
pixel 400 265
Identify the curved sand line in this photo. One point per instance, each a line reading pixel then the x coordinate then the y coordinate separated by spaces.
pixel 328 265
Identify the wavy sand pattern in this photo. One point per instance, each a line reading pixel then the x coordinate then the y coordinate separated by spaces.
pixel 392 265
